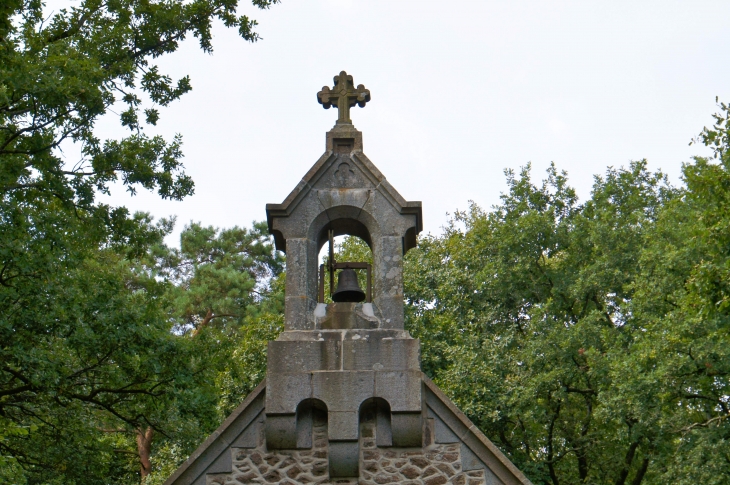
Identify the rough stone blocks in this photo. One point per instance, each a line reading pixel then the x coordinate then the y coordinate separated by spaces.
pixel 343 390
pixel 299 312
pixel 284 392
pixel 402 389
pixel 291 357
pixel 351 462
pixel 381 354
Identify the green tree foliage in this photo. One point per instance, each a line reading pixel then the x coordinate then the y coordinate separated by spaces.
pixel 228 292
pixel 589 341
pixel 122 351
pixel 226 295
pixel 88 361
pixel 87 351
pixel 216 273
pixel 59 73
pixel 682 301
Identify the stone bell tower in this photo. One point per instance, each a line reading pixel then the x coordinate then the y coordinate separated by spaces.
pixel 343 356
pixel 344 398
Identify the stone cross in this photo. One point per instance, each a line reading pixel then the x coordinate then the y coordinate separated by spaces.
pixel 344 95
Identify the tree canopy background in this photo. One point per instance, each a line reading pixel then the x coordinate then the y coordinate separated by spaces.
pixel 94 359
pixel 589 340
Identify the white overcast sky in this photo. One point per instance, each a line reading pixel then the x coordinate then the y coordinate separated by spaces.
pixel 460 91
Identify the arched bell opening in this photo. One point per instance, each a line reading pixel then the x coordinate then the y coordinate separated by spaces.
pixel 344 220
pixel 311 413
pixel 344 227
pixel 345 262
pixel 375 420
pixel 384 235
pixel 352 273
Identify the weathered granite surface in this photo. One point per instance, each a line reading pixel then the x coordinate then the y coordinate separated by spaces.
pixel 238 448
pixel 434 464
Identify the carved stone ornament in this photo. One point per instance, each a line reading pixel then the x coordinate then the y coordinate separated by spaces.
pixel 344 95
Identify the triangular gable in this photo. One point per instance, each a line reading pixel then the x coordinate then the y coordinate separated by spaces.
pixel 318 170
pixel 241 433
pixel 240 430
pixel 477 451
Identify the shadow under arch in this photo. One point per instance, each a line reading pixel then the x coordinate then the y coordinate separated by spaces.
pixel 344 227
pixel 375 415
pixel 310 412
pixel 344 220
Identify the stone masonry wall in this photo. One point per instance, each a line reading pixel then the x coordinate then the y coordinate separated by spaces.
pixel 435 464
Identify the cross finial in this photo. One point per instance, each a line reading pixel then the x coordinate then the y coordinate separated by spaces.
pixel 344 95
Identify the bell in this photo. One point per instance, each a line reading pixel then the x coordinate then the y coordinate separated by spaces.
pixel 348 290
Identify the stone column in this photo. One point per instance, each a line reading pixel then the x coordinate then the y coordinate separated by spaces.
pixel 388 280
pixel 301 284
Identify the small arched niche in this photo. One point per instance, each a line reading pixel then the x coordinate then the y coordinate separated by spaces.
pixel 375 419
pixel 311 413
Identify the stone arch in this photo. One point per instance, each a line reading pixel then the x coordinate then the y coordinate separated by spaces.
pixel 377 410
pixel 308 411
pixel 386 241
pixel 410 240
pixel 345 220
pixel 344 227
